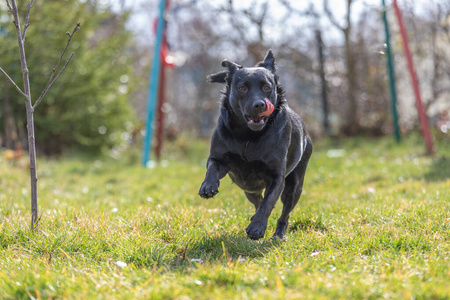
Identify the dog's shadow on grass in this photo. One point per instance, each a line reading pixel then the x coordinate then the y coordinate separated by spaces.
pixel 307 224
pixel 221 248
pixel 237 246
pixel 234 247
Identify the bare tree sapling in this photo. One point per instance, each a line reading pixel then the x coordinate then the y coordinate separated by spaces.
pixel 26 93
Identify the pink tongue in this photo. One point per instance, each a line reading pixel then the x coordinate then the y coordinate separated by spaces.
pixel 269 108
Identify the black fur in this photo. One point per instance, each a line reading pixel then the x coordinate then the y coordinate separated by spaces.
pixel 258 151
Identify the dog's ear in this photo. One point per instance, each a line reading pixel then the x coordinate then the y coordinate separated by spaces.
pixel 225 76
pixel 268 62
pixel 232 67
pixel 219 77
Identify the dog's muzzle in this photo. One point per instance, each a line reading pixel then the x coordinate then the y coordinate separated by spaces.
pixel 257 121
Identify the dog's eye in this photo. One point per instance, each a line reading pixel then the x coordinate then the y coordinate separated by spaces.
pixel 267 88
pixel 242 88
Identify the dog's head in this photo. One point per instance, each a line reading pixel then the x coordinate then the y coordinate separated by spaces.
pixel 251 92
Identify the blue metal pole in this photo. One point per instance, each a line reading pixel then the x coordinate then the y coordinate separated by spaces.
pixel 153 86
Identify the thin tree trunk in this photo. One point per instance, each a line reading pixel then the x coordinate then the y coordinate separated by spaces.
pixel 33 171
pixel 351 125
pixel 324 93
pixel 30 121
pixel 26 93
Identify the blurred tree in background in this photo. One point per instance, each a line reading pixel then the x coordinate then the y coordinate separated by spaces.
pixel 101 100
pixel 88 108
pixel 205 32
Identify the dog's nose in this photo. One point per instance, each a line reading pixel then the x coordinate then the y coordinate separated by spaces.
pixel 259 106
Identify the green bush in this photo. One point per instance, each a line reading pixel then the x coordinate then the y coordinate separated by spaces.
pixel 88 106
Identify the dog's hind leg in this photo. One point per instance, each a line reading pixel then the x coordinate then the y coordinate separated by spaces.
pixel 254 198
pixel 292 191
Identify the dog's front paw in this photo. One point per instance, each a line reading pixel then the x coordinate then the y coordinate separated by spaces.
pixel 256 229
pixel 208 190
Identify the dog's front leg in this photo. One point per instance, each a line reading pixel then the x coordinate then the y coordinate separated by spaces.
pixel 215 172
pixel 258 223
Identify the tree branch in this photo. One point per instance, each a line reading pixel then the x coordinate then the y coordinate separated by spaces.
pixel 349 13
pixel 331 16
pixel 258 20
pixel 77 27
pixel 13 83
pixel 51 80
pixel 9 5
pixel 308 12
pixel 26 21
pixel 23 60
pixel 231 12
pixel 49 85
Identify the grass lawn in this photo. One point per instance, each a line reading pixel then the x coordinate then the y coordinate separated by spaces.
pixel 373 222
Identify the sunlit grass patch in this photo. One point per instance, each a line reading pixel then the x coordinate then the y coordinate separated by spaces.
pixel 373 222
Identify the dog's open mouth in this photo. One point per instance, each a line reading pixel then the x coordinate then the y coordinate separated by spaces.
pixel 256 120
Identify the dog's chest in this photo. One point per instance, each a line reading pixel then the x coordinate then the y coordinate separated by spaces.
pixel 250 176
pixel 251 152
pixel 247 153
pixel 248 166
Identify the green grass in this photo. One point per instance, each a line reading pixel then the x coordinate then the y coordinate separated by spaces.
pixel 373 222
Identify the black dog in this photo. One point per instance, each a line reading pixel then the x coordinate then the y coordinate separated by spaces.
pixel 259 141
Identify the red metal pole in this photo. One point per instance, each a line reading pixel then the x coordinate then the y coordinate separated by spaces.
pixel 161 90
pixel 160 114
pixel 420 109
